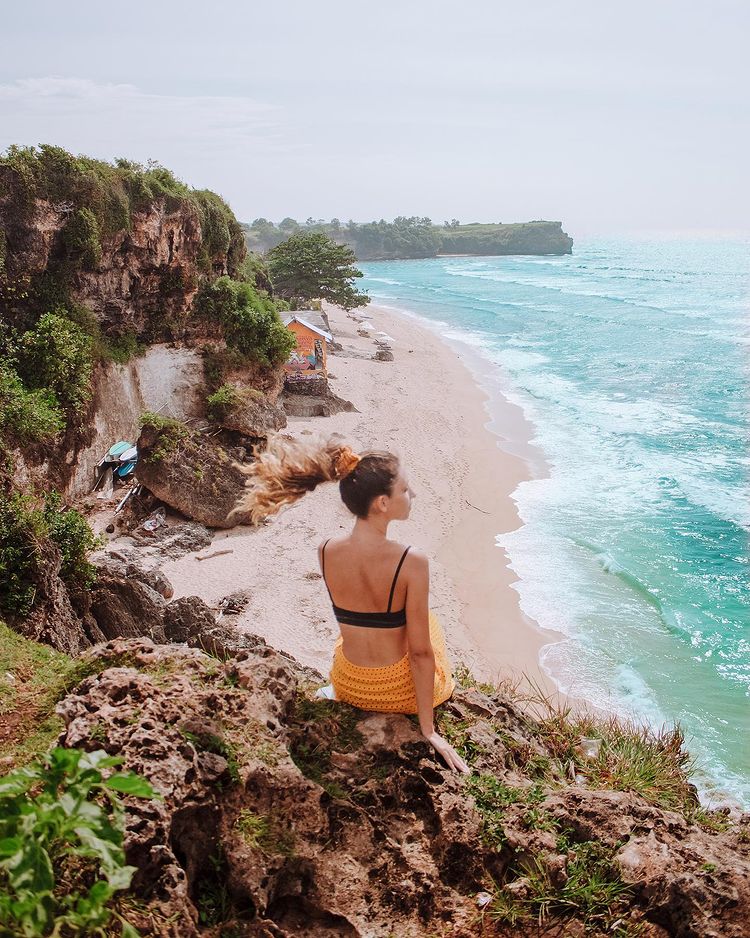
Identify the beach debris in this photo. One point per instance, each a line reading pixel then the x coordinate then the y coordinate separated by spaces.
pixel 171 541
pixel 155 520
pixel 475 507
pixel 119 461
pixel 215 553
pixel 589 746
pixel 134 490
pixel 483 899
pixel 234 603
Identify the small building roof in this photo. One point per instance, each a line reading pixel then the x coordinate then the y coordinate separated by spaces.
pixel 311 319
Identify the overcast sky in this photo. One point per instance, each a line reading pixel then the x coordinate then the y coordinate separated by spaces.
pixel 610 115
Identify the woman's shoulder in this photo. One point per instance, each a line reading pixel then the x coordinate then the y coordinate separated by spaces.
pixel 412 555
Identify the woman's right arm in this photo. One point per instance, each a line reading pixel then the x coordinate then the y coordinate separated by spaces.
pixel 422 657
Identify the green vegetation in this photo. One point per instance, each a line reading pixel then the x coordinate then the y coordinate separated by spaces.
pixel 122 348
pixel 458 734
pixel 532 237
pixel 592 890
pixel 312 266
pixel 229 397
pixel 416 236
pixel 221 232
pixel 26 532
pixel 26 416
pixel 171 434
pixel 33 678
pixel 715 821
pixel 210 742
pixel 82 240
pixel 260 833
pixel 61 844
pixel 325 726
pixel 55 356
pixel 45 378
pixel 493 798
pixel 251 323
pixel 223 400
pixel 631 757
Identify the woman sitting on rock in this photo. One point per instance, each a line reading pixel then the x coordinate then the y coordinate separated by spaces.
pixel 391 655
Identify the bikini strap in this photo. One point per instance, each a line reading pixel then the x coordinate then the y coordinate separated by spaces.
pixel 395 576
pixel 323 566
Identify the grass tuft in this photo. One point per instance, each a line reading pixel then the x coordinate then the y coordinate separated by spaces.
pixel 592 891
pixel 259 833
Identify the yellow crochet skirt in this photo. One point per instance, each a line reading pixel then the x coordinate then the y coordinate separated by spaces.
pixel 390 689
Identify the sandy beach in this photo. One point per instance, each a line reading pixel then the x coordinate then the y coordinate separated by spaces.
pixel 426 405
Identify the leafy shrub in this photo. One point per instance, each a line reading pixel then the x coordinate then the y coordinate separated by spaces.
pixel 61 843
pixel 56 356
pixel 24 528
pixel 171 433
pixel 70 531
pixel 81 238
pixel 222 401
pixel 26 416
pixel 122 348
pixel 251 323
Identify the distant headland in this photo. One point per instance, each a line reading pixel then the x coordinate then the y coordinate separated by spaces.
pixel 416 237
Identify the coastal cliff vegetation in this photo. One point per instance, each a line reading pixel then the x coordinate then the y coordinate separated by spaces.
pixel 56 322
pixel 99 262
pixel 417 237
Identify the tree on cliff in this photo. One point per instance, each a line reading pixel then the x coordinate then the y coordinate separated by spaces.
pixel 310 266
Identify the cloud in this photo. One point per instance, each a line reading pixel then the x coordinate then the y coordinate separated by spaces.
pixel 108 120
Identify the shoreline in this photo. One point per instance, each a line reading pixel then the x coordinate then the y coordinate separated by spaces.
pixel 464 458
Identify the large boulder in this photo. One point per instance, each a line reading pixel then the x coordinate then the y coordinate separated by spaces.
pixel 128 601
pixel 250 413
pixel 189 472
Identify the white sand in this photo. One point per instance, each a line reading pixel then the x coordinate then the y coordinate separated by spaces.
pixel 426 406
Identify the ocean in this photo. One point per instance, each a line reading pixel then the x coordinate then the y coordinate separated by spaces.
pixel 630 360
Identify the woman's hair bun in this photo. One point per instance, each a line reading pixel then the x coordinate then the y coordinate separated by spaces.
pixel 345 463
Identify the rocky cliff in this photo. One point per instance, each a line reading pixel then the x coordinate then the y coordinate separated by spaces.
pixel 130 245
pixel 122 291
pixel 282 816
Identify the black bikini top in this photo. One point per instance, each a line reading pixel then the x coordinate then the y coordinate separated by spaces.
pixel 371 620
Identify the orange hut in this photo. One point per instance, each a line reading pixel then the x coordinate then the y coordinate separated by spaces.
pixel 309 357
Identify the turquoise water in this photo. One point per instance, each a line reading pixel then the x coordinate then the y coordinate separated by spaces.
pixel 630 360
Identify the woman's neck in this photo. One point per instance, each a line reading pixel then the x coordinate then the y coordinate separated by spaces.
pixel 370 530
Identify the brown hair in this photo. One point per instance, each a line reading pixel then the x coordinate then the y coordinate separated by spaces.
pixel 288 468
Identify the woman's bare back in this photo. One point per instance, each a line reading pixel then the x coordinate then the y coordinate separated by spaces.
pixel 359 577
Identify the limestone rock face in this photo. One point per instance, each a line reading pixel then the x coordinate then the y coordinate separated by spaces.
pixel 56 619
pixel 309 818
pixel 193 475
pixel 126 601
pixel 254 416
pixel 147 276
